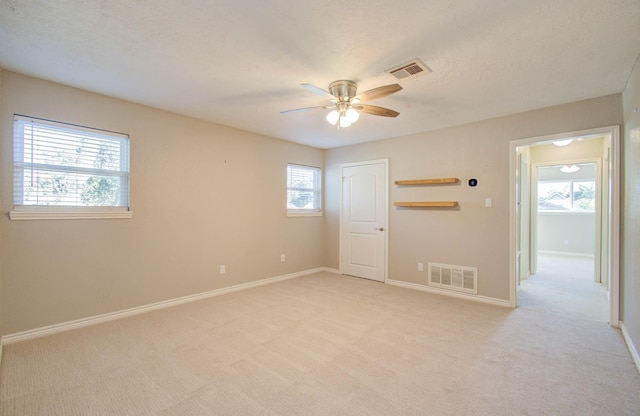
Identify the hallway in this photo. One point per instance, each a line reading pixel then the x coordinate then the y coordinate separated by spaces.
pixel 564 285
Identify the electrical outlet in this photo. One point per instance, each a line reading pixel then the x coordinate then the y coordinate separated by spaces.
pixel 420 267
pixel 223 269
pixel 282 257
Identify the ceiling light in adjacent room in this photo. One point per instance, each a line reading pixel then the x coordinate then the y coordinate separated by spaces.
pixel 561 143
pixel 569 169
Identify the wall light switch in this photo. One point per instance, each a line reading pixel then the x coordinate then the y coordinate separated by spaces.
pixel 488 202
pixel 420 267
pixel 282 257
pixel 223 269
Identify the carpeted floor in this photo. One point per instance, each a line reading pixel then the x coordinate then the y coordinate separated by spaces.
pixel 326 344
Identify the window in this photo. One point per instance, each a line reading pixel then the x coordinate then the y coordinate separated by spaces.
pixel 304 187
pixel 571 195
pixel 66 171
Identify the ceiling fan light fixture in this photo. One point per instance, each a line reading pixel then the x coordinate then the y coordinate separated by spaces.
pixel 344 121
pixel 352 115
pixel 333 117
pixel 347 105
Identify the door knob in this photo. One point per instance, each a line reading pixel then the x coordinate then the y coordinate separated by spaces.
pixel 380 229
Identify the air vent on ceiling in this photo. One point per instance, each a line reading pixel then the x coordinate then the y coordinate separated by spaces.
pixel 459 278
pixel 408 70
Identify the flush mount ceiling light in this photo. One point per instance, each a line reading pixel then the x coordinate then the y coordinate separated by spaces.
pixel 562 143
pixel 569 169
pixel 347 105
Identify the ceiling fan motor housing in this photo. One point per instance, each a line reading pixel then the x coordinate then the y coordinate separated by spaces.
pixel 343 90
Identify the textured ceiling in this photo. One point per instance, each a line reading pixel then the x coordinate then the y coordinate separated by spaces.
pixel 240 63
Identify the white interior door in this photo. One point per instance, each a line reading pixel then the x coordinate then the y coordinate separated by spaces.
pixel 363 226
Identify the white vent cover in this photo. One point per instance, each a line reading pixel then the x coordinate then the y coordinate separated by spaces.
pixel 459 278
pixel 408 70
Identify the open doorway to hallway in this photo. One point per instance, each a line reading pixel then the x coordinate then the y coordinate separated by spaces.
pixel 565 225
pixel 566 230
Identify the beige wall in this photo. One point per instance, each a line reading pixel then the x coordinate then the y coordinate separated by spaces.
pixel 630 281
pixel 202 195
pixel 471 235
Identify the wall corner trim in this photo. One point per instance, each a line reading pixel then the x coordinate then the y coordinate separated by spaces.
pixel 466 296
pixel 112 316
pixel 632 348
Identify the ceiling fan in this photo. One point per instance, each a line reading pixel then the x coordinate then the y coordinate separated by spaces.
pixel 346 104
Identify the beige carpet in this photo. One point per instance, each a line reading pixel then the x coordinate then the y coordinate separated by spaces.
pixel 326 344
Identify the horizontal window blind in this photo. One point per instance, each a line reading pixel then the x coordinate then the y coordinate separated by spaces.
pixel 58 164
pixel 304 188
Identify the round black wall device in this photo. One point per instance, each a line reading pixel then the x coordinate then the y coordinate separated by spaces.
pixel 472 182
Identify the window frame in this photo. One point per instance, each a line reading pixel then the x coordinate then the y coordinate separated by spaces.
pixel 316 190
pixel 572 200
pixel 46 212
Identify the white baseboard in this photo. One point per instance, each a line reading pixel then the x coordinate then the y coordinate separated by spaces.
pixel 94 320
pixel 466 296
pixel 632 348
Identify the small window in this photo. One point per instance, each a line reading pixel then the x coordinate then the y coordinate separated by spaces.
pixel 304 190
pixel 66 171
pixel 567 188
pixel 572 195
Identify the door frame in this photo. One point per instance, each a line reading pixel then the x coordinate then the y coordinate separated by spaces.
pixel 613 236
pixel 385 162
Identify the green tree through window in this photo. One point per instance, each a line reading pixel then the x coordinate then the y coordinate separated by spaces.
pixel 303 189
pixel 57 164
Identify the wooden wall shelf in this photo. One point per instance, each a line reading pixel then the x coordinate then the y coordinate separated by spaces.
pixel 437 181
pixel 425 204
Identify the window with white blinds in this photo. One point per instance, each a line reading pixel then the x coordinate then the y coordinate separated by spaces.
pixel 60 167
pixel 304 190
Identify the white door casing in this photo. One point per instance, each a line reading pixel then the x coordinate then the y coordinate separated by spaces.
pixel 364 217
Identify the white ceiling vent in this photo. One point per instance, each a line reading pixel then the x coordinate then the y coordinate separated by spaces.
pixel 409 70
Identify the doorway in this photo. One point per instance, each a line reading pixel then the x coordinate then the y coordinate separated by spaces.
pixel 364 219
pixel 599 147
pixel 566 209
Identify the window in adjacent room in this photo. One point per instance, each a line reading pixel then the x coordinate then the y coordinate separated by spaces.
pixel 304 190
pixel 567 188
pixel 67 171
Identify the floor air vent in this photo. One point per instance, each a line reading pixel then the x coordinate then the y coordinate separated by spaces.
pixel 459 278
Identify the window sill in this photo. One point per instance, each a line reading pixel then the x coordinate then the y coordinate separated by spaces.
pixel 304 214
pixel 68 215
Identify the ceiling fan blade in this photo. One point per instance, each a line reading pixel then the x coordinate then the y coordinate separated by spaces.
pixel 318 91
pixel 379 92
pixel 376 111
pixel 296 110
